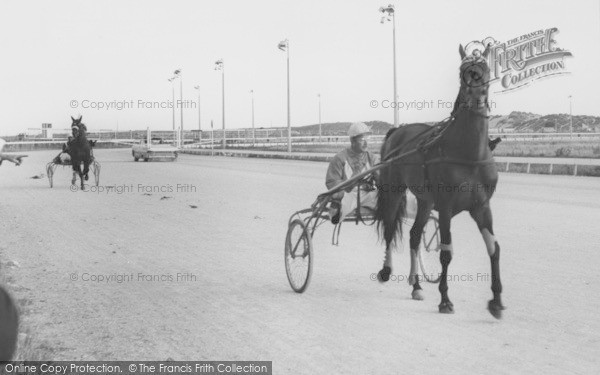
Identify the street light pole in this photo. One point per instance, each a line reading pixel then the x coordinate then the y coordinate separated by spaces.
pixel 571 115
pixel 253 134
pixel 197 87
pixel 285 46
pixel 173 89
pixel 180 96
pixel 320 133
pixel 219 65
pixel 178 74
pixel 391 13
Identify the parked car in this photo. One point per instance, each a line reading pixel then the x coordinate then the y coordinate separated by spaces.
pixel 156 150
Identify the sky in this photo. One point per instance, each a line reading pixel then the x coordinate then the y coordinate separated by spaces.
pixel 64 58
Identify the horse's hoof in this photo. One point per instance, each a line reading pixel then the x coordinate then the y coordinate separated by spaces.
pixel 446 308
pixel 417 295
pixel 495 309
pixel 384 274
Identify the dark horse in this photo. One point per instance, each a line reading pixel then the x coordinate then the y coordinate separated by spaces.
pixel 453 171
pixel 80 151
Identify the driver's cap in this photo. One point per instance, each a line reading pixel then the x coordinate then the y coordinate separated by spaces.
pixel 357 129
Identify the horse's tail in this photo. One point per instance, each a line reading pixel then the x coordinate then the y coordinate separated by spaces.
pixel 391 200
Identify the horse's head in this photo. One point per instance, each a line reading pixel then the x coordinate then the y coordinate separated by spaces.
pixel 78 129
pixel 474 78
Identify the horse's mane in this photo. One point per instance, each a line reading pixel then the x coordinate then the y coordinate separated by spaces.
pixel 389 133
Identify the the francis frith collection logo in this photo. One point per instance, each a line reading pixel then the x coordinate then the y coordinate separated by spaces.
pixel 524 59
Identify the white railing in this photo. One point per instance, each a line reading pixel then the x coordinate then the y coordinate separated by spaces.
pixel 241 142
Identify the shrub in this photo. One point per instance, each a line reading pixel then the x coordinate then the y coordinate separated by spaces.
pixel 563 151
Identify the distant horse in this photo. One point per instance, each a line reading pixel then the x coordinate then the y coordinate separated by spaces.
pixel 453 172
pixel 80 151
pixel 9 326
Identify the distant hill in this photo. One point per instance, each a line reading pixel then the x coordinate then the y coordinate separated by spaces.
pixel 518 122
pixel 526 122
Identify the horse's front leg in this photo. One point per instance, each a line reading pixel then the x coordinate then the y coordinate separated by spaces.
pixel 423 211
pixel 445 306
pixel 483 217
pixel 86 169
pixel 75 172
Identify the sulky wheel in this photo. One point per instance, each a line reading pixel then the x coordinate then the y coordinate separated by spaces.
pixel 298 256
pixel 429 256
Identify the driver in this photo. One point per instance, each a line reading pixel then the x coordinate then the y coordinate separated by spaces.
pixel 64 157
pixel 346 164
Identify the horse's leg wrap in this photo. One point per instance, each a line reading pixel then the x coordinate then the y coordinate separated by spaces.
pixel 448 248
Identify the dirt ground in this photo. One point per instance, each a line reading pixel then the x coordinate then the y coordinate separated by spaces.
pixel 184 260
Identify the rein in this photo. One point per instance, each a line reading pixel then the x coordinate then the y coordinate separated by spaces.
pixel 423 146
pixel 472 163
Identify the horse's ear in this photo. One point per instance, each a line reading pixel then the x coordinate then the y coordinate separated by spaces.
pixel 462 52
pixel 487 51
pixel 72 119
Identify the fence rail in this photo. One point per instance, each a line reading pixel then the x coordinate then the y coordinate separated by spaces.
pixel 276 135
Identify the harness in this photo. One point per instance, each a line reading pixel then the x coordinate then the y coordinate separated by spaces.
pixel 436 134
pixel 432 140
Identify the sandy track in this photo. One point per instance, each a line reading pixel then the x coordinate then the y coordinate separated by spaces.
pixel 234 302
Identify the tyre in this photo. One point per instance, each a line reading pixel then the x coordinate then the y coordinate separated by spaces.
pixel 298 256
pixel 429 255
